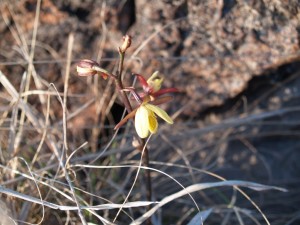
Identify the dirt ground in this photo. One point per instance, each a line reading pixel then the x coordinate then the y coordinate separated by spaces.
pixel 236 64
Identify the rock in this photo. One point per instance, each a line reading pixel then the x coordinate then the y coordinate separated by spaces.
pixel 209 50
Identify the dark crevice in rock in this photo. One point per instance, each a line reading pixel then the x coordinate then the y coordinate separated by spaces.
pixel 127 16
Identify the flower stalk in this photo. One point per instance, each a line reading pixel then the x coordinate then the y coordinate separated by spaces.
pixel 145 115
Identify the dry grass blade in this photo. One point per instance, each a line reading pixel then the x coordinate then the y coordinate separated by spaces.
pixel 13 140
pixel 44 133
pixel 200 216
pixel 15 96
pixel 66 147
pixel 73 208
pixel 135 178
pixel 37 124
pixel 38 190
pixel 16 194
pixel 34 178
pixel 198 187
pixel 233 122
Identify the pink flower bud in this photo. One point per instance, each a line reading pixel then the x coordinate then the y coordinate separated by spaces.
pixel 86 67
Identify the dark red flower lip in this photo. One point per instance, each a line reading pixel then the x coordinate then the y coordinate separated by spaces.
pixel 164 91
pixel 143 82
pixel 147 89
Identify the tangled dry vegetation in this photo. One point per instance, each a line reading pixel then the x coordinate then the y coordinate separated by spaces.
pixel 230 158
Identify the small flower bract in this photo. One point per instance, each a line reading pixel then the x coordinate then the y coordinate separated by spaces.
pixel 145 119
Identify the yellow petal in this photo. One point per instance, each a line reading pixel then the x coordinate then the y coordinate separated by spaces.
pixel 152 122
pixel 161 113
pixel 141 122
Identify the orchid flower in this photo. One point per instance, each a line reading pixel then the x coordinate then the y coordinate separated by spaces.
pixel 146 113
pixel 146 121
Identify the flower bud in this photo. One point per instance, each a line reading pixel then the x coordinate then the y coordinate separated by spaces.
pixel 85 67
pixel 126 43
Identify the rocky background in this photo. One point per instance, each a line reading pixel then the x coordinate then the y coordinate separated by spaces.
pixel 229 59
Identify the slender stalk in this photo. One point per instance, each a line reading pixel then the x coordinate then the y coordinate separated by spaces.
pixel 148 175
pixel 128 107
pixel 121 63
pixel 119 84
pixel 148 178
pixel 126 102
